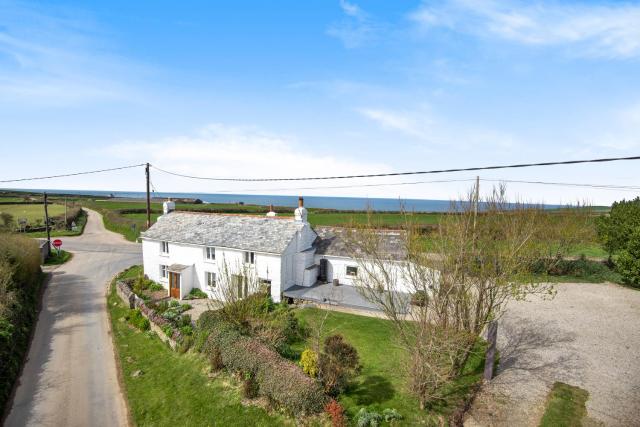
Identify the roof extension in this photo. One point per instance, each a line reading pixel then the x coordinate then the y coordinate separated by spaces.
pixel 333 241
pixel 251 233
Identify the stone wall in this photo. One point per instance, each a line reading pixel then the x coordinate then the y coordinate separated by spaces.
pixel 124 291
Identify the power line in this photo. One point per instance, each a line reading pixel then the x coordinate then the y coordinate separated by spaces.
pixel 570 184
pixel 71 174
pixel 391 184
pixel 436 171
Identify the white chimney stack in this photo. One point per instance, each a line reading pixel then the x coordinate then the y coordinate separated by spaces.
pixel 300 214
pixel 168 206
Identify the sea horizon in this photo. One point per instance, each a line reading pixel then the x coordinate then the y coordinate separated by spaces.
pixel 320 202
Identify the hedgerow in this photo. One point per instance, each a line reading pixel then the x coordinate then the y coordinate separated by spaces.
pixel 277 378
pixel 20 279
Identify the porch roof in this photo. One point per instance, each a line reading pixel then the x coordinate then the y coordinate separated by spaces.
pixel 177 268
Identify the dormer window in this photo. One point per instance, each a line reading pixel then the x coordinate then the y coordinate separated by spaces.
pixel 164 248
pixel 249 257
pixel 210 253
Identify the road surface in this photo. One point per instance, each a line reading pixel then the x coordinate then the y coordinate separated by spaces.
pixel 70 378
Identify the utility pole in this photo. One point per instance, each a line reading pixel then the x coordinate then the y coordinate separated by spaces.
pixel 65 212
pixel 476 198
pixel 46 222
pixel 146 171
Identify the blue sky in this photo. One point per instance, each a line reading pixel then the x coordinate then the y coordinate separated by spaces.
pixel 289 88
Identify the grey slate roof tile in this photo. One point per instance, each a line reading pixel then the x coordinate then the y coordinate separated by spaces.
pixel 333 241
pixel 251 233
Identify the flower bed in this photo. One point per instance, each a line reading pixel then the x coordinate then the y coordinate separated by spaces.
pixel 159 324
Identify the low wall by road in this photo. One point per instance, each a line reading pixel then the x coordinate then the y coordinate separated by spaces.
pixel 124 291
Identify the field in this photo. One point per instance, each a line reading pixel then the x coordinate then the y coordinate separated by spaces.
pixel 32 213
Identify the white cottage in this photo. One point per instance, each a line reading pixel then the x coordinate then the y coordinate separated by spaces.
pixel 186 250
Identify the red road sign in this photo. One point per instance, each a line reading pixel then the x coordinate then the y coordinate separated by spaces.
pixel 57 243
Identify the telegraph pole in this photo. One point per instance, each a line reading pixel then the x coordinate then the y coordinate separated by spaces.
pixel 475 202
pixel 146 171
pixel 46 222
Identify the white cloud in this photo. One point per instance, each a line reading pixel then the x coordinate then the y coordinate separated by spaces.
pixel 597 30
pixel 226 151
pixel 56 58
pixel 356 28
pixel 423 125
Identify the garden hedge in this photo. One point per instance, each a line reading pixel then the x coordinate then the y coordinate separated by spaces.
pixel 279 379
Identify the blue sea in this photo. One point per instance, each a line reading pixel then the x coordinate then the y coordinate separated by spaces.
pixel 338 203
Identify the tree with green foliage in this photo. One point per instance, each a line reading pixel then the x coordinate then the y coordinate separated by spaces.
pixel 7 219
pixel 628 263
pixel 337 364
pixel 615 229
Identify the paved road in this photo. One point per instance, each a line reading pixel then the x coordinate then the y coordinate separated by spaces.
pixel 70 377
pixel 587 336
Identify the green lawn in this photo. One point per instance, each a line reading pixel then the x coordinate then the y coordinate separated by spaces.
pixel 80 223
pixel 58 258
pixel 174 389
pixel 566 406
pixel 381 384
pixel 31 212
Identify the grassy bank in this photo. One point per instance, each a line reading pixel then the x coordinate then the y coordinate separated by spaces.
pixel 175 389
pixel 57 258
pixel 566 406
pixel 381 383
pixel 81 221
pixel 20 284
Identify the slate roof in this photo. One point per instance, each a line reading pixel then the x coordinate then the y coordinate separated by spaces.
pixel 333 241
pixel 251 233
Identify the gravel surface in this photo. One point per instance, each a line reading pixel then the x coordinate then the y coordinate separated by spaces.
pixel 587 336
pixel 70 377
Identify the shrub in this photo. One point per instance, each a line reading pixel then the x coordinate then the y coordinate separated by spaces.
pixel 336 413
pixel 137 319
pixel 365 418
pixel 390 414
pixel 20 278
pixel 337 364
pixel 278 379
pixel 196 293
pixel 250 386
pixel 628 263
pixel 615 229
pixel 309 362
pixel 419 298
pixel 185 343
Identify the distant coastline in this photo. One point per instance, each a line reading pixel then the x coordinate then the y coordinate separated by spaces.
pixel 319 202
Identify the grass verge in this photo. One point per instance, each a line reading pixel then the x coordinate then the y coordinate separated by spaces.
pixel 566 406
pixel 80 223
pixel 57 258
pixel 381 383
pixel 173 389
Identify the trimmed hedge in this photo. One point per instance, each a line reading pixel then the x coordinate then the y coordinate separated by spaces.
pixel 20 285
pixel 279 379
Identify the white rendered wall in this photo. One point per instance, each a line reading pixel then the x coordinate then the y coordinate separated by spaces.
pixel 267 266
pixel 337 269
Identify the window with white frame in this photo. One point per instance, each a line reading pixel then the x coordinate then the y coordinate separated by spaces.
pixel 164 247
pixel 250 257
pixel 164 271
pixel 352 271
pixel 210 253
pixel 210 279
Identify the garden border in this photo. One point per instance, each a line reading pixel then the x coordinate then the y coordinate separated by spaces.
pixel 126 294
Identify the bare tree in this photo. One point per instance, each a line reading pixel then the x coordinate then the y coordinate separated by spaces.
pixel 235 282
pixel 443 290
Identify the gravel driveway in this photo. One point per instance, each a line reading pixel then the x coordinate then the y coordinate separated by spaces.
pixel 588 336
